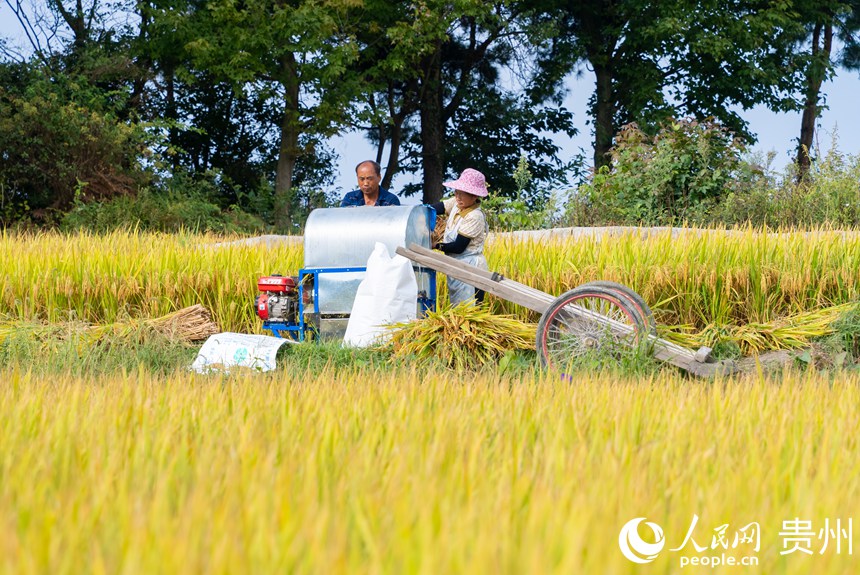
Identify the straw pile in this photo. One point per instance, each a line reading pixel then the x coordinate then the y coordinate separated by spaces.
pixel 193 323
pixel 757 337
pixel 190 324
pixel 464 337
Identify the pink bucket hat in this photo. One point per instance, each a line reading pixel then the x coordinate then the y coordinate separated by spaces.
pixel 470 181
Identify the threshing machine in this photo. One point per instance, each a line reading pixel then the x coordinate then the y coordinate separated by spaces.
pixel 338 243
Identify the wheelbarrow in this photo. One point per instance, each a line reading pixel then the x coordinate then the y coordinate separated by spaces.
pixel 598 315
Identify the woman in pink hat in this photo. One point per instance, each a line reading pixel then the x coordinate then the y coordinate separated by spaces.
pixel 465 230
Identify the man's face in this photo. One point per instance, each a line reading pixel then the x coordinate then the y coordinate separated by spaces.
pixel 368 180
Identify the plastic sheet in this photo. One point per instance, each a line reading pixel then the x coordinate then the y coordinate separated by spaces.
pixel 386 295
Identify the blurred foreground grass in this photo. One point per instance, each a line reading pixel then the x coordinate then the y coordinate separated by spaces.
pixel 358 470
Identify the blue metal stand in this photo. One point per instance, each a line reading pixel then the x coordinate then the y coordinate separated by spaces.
pixel 299 331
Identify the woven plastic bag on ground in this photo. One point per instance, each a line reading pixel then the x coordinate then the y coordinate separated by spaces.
pixel 224 351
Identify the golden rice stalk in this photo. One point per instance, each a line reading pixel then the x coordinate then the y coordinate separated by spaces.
pixel 193 323
pixel 754 338
pixel 438 233
pixel 464 337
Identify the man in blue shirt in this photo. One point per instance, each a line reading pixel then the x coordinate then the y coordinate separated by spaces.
pixel 369 193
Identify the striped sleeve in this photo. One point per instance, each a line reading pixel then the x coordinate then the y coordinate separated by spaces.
pixel 474 224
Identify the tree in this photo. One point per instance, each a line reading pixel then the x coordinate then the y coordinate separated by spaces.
pixel 452 69
pixel 392 38
pixel 617 41
pixel 655 60
pixel 43 26
pixel 81 37
pixel 823 19
pixel 218 129
pixel 400 65
pixel 291 52
pixel 426 65
pixel 493 130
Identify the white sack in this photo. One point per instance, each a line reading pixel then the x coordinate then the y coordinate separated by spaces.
pixel 223 351
pixel 387 294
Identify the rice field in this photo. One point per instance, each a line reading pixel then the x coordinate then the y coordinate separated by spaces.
pixel 697 278
pixel 356 469
pixel 360 472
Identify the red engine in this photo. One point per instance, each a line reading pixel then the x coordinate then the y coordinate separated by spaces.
pixel 279 300
pixel 277 284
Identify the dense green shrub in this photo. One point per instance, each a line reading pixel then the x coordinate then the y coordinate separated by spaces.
pixel 168 212
pixel 61 138
pixel 829 196
pixel 696 173
pixel 681 174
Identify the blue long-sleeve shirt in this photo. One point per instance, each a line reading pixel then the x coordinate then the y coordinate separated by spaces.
pixel 356 198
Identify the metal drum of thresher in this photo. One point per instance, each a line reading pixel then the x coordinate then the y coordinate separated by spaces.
pixel 339 240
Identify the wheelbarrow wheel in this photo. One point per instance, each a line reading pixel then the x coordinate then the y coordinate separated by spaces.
pixel 585 320
pixel 638 302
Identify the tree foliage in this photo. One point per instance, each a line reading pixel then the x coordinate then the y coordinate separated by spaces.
pixel 656 60
pixel 244 95
pixel 62 139
pixel 494 131
pixel 432 69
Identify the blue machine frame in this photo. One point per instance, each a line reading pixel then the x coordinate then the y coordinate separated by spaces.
pixel 298 331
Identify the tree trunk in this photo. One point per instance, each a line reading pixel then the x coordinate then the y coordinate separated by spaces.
pixel 393 164
pixel 433 130
pixel 79 22
pixel 289 149
pixel 604 116
pixel 170 112
pixel 383 138
pixel 395 128
pixel 814 77
pixel 143 62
